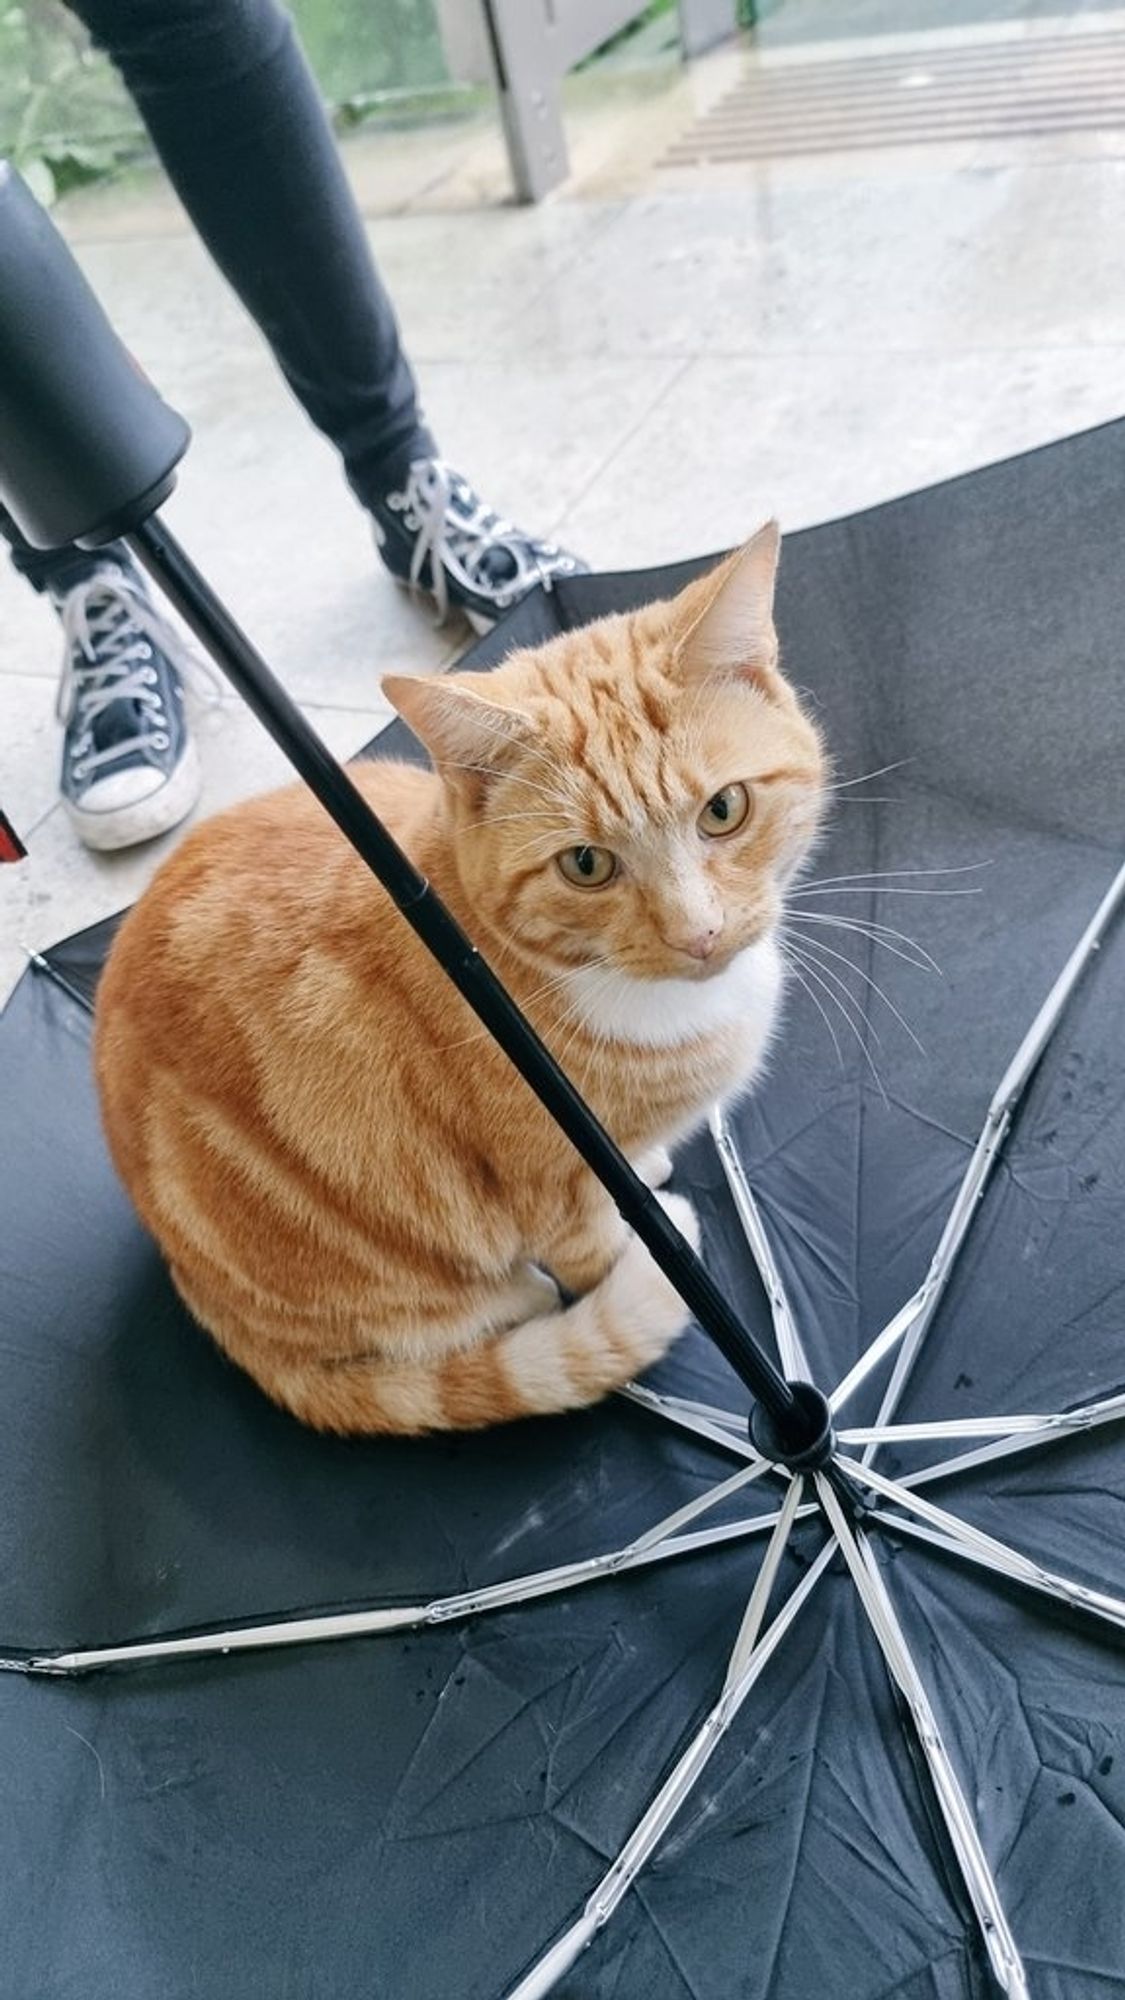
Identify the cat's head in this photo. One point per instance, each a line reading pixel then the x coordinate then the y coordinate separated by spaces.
pixel 637 794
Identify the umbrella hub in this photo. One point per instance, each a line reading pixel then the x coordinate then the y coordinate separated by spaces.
pixel 804 1445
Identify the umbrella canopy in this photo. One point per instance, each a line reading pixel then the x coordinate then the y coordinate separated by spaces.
pixel 428 1808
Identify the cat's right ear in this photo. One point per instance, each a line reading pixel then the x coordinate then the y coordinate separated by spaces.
pixel 728 631
pixel 462 731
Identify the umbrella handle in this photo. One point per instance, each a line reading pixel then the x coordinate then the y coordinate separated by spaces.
pixel 87 451
pixel 87 447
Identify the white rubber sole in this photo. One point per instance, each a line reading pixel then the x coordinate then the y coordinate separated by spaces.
pixel 481 621
pixel 128 826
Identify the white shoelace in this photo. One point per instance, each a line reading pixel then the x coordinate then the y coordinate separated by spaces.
pixel 110 632
pixel 457 542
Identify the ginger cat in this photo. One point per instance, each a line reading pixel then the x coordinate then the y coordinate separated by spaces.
pixel 356 1193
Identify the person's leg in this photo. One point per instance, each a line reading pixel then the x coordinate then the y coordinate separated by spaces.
pixel 129 770
pixel 237 120
pixel 236 117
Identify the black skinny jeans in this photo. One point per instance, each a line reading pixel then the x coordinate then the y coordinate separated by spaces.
pixel 237 120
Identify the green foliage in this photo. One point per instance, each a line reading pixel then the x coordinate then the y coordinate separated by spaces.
pixel 66 119
pixel 653 12
pixel 360 47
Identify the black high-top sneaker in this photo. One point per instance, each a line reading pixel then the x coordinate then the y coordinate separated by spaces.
pixel 129 769
pixel 437 536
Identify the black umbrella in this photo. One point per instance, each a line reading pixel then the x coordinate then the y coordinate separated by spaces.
pixel 580 1702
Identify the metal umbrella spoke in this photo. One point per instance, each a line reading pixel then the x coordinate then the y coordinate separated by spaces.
pixel 1066 1590
pixel 688 1418
pixel 735 1420
pixel 883 1345
pixel 951 1429
pixel 752 1655
pixel 790 1347
pixel 1007 1966
pixel 1068 1423
pixel 763 1586
pixel 909 1326
pixel 692 1509
pixel 950 1532
pixel 657 1545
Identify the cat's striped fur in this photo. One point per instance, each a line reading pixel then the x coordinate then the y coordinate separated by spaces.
pixel 355 1192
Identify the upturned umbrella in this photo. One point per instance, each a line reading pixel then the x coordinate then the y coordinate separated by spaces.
pixel 719 1689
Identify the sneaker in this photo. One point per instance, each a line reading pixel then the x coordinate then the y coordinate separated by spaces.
pixel 130 769
pixel 437 535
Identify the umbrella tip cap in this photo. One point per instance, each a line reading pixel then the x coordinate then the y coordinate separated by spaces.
pixel 805 1445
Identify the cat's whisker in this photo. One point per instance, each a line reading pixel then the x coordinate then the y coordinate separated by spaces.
pixel 845 784
pixel 797 958
pixel 561 773
pixel 506 819
pixel 829 972
pixel 544 992
pixel 896 874
pixel 558 798
pixel 577 1013
pixel 814 944
pixel 908 947
pixel 806 988
pixel 482 1034
pixel 561 790
pixel 552 844
pixel 881 934
pixel 819 979
pixel 846 889
pixel 555 770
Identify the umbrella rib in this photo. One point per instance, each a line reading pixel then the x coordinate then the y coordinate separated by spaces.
pixel 302 1631
pixel 952 1428
pixel 691 1510
pixel 751 1626
pixel 961 1538
pixel 687 1417
pixel 752 1655
pixel 1065 1590
pixel 1067 1423
pixel 733 1420
pixel 1000 1945
pixel 794 1361
pixel 911 1323
pixel 43 964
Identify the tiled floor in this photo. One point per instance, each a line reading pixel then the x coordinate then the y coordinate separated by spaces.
pixel 647 363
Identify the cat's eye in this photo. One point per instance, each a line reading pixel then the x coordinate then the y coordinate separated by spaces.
pixel 588 867
pixel 726 812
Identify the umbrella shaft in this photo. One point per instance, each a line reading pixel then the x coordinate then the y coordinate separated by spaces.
pixel 244 667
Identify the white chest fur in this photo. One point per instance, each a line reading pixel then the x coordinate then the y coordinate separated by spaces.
pixel 662 1013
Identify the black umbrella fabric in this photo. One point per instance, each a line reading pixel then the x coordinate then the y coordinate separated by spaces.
pixel 605 1706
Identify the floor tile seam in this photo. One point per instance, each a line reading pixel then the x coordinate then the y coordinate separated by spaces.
pixel 675 376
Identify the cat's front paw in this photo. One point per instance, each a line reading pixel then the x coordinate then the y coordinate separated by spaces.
pixel 655 1166
pixel 681 1212
pixel 647 1312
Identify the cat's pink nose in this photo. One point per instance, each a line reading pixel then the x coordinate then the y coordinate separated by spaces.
pixel 696 944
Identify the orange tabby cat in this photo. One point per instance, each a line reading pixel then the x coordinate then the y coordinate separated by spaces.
pixel 356 1193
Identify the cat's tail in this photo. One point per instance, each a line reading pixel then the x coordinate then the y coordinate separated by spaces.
pixel 560 1360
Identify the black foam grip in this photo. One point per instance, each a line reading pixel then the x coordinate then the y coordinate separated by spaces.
pixel 87 447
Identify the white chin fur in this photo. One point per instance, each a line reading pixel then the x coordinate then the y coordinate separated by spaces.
pixel 658 1013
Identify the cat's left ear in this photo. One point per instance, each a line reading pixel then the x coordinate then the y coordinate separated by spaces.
pixel 730 635
pixel 462 731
